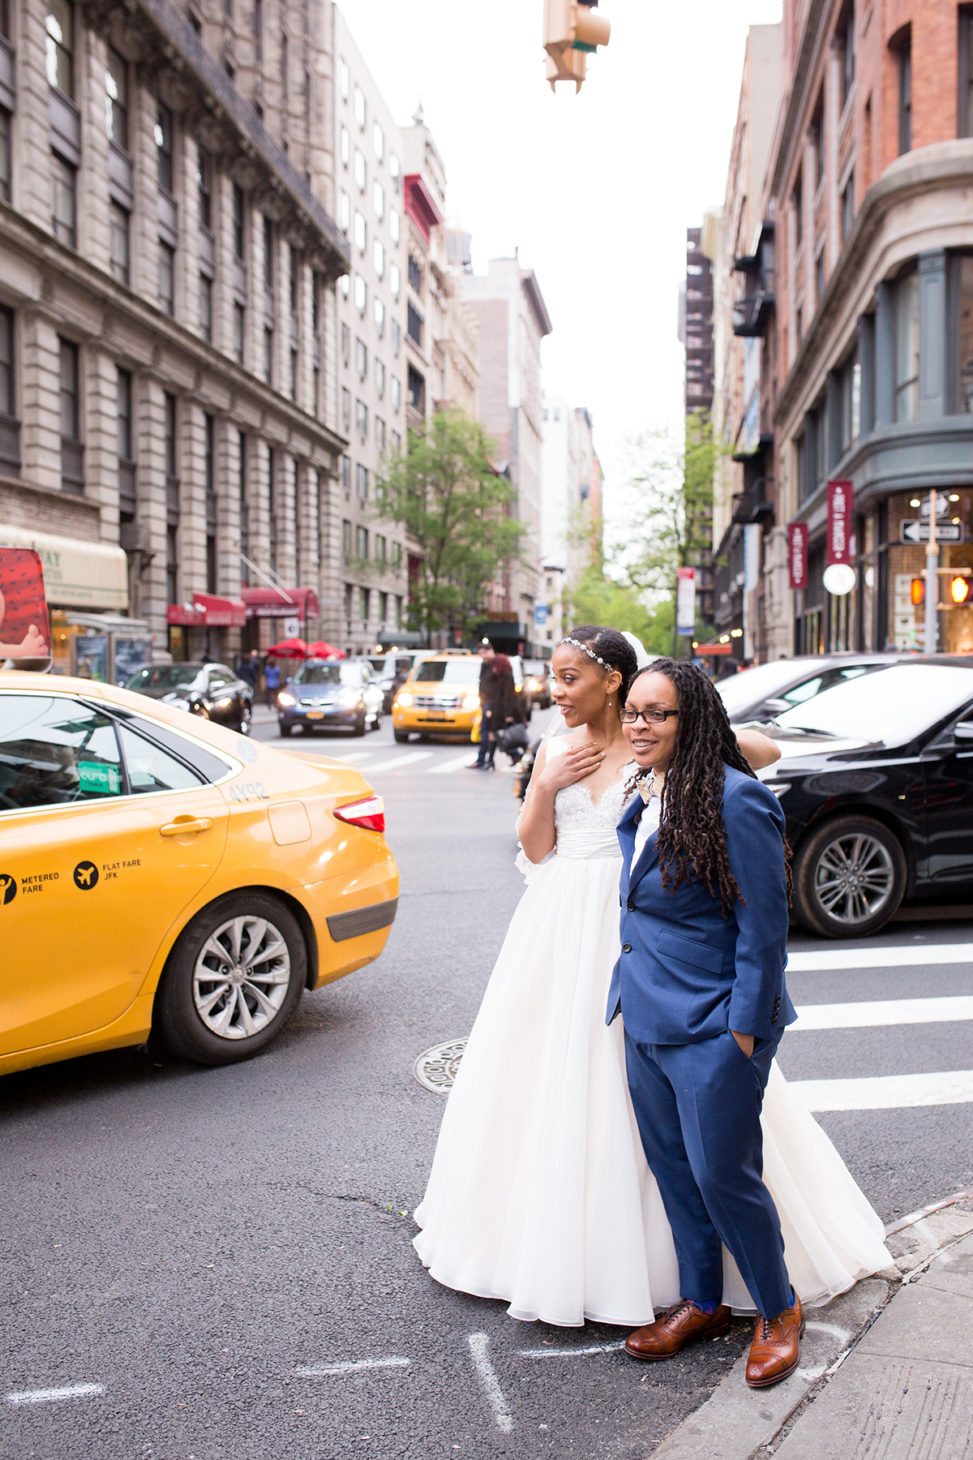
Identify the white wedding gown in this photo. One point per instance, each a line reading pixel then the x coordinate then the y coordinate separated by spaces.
pixel 539 1193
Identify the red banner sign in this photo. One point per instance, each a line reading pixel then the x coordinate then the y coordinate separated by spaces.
pixel 840 504
pixel 797 553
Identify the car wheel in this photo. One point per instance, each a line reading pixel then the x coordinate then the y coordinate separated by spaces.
pixel 377 722
pixel 849 878
pixel 359 725
pixel 232 981
pixel 285 730
pixel 401 737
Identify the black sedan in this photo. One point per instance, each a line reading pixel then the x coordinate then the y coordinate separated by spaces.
pixel 211 691
pixel 876 780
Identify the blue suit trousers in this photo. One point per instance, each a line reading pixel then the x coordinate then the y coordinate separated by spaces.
pixel 698 1111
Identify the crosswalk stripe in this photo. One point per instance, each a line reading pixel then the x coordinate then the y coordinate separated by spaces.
pixel 820 960
pixel 455 763
pixel 887 1092
pixel 870 1015
pixel 398 761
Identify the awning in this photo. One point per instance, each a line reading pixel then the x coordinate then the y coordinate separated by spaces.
pixel 280 602
pixel 77 573
pixel 208 611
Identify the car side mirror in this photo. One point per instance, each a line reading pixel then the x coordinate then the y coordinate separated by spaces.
pixel 963 732
pixel 776 707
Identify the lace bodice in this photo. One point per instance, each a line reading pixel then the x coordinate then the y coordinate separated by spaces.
pixel 586 828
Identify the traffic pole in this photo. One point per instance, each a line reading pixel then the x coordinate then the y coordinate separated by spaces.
pixel 932 580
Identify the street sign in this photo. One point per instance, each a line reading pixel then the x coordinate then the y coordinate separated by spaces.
pixel 685 602
pixel 540 614
pixel 912 530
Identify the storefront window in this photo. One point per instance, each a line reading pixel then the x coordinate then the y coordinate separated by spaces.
pixel 964 333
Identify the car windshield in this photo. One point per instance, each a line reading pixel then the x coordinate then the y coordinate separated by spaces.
pixel 332 672
pixel 377 663
pixel 891 706
pixel 165 676
pixel 738 691
pixel 452 671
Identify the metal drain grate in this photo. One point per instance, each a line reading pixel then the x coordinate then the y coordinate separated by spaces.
pixel 436 1068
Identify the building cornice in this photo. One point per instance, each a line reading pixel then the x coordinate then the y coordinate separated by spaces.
pixel 420 204
pixel 927 170
pixel 55 262
pixel 536 301
pixel 190 80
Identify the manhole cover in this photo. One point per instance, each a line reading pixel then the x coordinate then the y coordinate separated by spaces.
pixel 436 1068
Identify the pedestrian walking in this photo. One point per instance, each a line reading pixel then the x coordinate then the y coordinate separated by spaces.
pixel 271 683
pixel 498 702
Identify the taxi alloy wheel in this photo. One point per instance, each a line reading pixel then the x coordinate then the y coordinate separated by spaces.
pixel 233 980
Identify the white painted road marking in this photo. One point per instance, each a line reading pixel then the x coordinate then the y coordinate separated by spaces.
pixel 352 1366
pixel 398 761
pixel 52 1396
pixel 887 1092
pixel 455 763
pixel 868 1014
pixel 819 960
pixel 480 1352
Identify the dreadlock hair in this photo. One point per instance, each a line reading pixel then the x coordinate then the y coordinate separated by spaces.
pixel 692 830
pixel 613 648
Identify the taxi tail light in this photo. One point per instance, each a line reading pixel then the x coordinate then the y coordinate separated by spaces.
pixel 369 813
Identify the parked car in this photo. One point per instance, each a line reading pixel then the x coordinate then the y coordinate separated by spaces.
pixel 325 694
pixel 537 683
pixel 211 691
pixel 161 875
pixel 765 690
pixel 876 781
pixel 391 670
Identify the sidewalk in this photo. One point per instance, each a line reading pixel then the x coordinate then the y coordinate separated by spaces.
pixel 886 1370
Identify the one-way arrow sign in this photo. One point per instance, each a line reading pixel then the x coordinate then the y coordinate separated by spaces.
pixel 912 530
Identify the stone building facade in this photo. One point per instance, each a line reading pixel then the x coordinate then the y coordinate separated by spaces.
pixel 169 427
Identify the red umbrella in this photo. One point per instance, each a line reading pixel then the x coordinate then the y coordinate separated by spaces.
pixel 288 649
pixel 321 650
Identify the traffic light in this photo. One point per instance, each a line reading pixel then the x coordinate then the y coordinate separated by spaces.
pixel 572 31
pixel 959 589
pixel 917 591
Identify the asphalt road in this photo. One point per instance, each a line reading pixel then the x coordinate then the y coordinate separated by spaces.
pixel 225 1256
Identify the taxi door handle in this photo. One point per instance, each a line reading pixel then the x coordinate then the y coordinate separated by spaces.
pixel 186 826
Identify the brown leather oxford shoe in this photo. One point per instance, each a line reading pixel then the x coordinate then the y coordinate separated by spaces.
pixel 776 1347
pixel 679 1325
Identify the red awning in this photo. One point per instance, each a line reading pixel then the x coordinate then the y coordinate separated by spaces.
pixel 208 611
pixel 280 602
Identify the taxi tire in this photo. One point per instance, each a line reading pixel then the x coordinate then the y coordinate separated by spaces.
pixel 401 737
pixel 175 1018
pixel 359 726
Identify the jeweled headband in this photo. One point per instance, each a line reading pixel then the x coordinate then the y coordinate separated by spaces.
pixel 590 652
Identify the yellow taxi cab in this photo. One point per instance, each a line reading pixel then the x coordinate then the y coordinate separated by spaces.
pixel 441 696
pixel 174 878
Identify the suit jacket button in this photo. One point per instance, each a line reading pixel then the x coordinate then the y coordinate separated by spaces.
pixel 626 947
pixel 630 905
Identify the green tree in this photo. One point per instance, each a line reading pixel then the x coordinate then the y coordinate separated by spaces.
pixel 456 508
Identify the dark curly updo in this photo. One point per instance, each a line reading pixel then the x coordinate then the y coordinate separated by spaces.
pixel 610 646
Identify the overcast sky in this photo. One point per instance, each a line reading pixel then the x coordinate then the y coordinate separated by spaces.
pixel 596 190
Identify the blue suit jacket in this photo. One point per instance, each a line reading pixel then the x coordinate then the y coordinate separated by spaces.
pixel 685 972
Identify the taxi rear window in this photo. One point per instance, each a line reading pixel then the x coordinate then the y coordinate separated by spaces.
pixel 453 671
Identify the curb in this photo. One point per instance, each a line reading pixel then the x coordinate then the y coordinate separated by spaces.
pixel 736 1424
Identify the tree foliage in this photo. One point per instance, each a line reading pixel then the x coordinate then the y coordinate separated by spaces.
pixel 455 507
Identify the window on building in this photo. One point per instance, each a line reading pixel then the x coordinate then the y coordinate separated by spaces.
pixel 60 45
pixel 395 169
pixel 819 277
pixel 848 207
pixel 204 188
pixel 361 482
pixel 294 372
pixel 125 416
pixel 360 109
pixel 6 155
pixel 163 148
pixel 344 286
pixel 378 199
pixel 378 309
pixel 346 539
pixel 378 257
pixel 64 219
pixel 395 225
pixel 365 601
pixel 383 609
pixel 817 142
pixel 239 224
pixel 395 392
pixel 206 307
pixel 395 443
pixel 344 211
pixel 416 388
pixel 72 452
pixel 5 27
pixel 345 345
pixel 361 419
pixel 268 231
pixel 963 310
pixel 379 378
pixel 414 323
pixel 268 355
pixel 395 335
pixel 415 274
pixel 344 145
pixel 378 141
pixel 799 325
pixel 797 210
pixel 239 331
pixel 361 358
pixel 361 232
pixel 361 294
pixel 906 304
pixel 381 553
pixel 167 277
pixel 360 171
pixel 258 30
pixel 170 437
pixel 845 47
pixel 349 602
pixel 346 410
pixel 346 476
pixel 344 79
pixel 9 424
pixel 361 543
pixel 849 397
pixel 272 505
pixel 964 111
pixel 901 48
pixel 119 235
pixel 395 280
pixel 116 99
pixel 380 435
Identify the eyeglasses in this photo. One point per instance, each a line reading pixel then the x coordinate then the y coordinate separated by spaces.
pixel 649 717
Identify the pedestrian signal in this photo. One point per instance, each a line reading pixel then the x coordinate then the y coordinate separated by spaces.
pixel 572 31
pixel 917 591
pixel 959 589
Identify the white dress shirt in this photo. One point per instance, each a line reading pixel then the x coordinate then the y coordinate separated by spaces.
pixel 648 823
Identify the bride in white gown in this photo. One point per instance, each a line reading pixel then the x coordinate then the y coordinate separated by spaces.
pixel 539 1193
